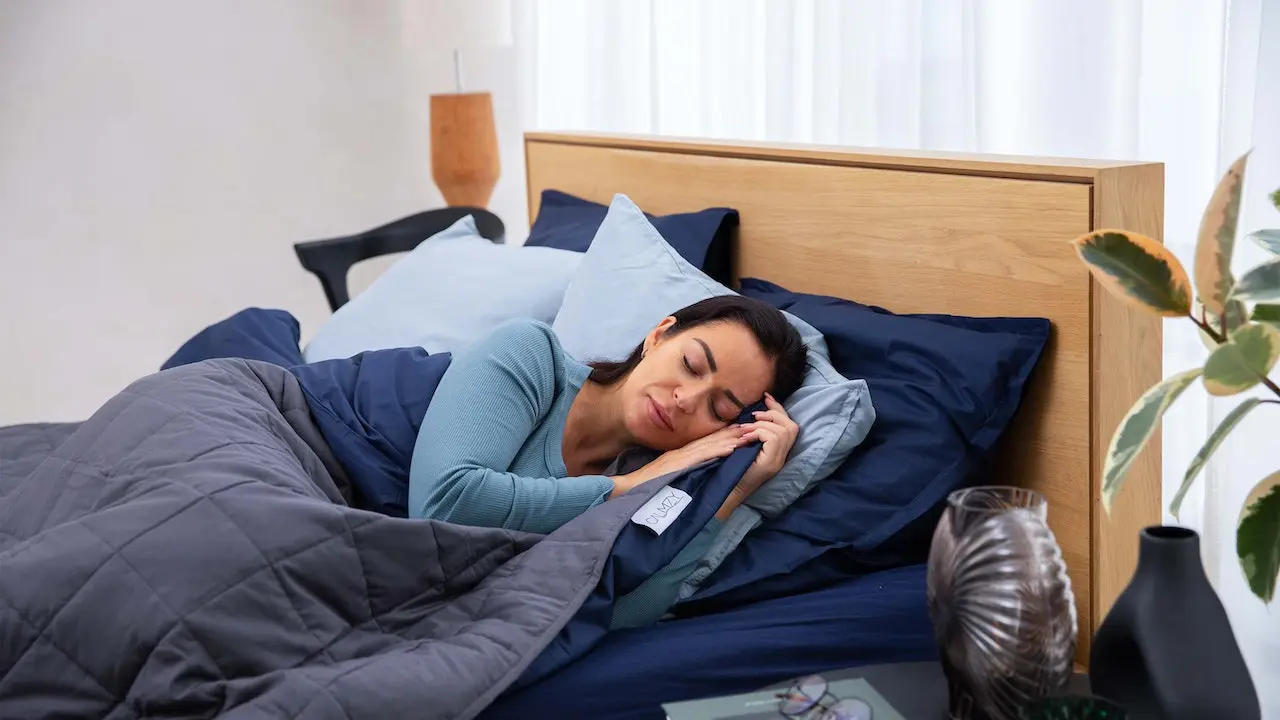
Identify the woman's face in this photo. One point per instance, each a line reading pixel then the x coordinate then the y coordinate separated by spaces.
pixel 692 383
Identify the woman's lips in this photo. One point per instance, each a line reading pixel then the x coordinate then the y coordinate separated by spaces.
pixel 658 417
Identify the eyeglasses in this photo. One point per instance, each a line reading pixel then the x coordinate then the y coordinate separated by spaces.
pixel 810 699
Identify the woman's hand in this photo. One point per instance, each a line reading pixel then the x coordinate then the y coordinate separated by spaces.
pixel 778 432
pixel 718 444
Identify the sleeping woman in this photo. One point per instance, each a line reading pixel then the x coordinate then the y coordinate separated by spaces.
pixel 519 434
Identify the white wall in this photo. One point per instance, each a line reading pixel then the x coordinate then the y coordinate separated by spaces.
pixel 158 160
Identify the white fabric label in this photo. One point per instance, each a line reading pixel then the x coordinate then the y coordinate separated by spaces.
pixel 662 509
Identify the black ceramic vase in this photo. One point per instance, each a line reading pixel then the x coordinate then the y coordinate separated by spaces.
pixel 1166 650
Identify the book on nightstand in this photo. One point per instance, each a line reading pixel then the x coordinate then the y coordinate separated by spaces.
pixel 763 705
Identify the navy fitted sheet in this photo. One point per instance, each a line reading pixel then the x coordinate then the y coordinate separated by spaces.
pixel 874 619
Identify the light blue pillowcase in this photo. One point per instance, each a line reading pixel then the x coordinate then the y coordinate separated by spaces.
pixel 446 293
pixel 629 280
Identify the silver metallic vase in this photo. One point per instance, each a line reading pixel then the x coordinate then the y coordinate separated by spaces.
pixel 1001 603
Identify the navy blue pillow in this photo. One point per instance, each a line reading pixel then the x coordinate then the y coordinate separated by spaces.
pixel 703 238
pixel 944 389
pixel 253 334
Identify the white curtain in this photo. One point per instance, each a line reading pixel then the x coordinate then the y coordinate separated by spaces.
pixel 1191 83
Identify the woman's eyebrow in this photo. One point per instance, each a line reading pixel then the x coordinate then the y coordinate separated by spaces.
pixel 711 359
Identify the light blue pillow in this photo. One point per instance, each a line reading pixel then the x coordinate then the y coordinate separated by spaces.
pixel 629 280
pixel 447 293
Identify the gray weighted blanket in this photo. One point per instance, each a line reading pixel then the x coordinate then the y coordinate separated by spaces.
pixel 187 552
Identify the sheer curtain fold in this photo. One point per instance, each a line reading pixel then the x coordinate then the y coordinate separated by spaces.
pixel 1190 83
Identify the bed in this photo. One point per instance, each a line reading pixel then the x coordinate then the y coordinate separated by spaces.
pixel 928 232
pixel 985 237
pixel 920 232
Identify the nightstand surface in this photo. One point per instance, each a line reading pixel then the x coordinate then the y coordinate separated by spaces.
pixel 918 691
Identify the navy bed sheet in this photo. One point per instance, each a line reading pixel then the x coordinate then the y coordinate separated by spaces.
pixel 875 619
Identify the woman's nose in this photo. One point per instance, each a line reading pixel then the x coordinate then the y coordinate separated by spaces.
pixel 684 399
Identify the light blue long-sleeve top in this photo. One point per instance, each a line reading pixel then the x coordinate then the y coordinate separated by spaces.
pixel 489 453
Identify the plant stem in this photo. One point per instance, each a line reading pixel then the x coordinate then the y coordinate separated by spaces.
pixel 1267 381
pixel 1220 339
pixel 1208 329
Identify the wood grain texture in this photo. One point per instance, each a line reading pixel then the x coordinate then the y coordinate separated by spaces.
pixel 1006 166
pixel 464 148
pixel 915 232
pixel 1126 362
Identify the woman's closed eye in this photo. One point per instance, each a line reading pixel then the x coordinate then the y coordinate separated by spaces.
pixel 720 414
pixel 689 366
pixel 716 414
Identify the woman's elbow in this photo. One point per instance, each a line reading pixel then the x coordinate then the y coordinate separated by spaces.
pixel 432 509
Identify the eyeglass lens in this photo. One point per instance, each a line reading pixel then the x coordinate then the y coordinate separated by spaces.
pixel 802 696
pixel 850 709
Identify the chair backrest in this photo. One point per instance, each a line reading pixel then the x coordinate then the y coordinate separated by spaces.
pixel 329 260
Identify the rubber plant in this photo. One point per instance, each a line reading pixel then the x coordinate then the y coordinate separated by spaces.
pixel 1239 320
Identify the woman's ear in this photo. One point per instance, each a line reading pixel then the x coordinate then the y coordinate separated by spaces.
pixel 655 335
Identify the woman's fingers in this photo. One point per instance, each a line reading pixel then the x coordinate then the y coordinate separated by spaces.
pixel 711 452
pixel 772 416
pixel 763 431
pixel 773 425
pixel 775 413
pixel 730 433
pixel 777 432
pixel 777 442
pixel 720 448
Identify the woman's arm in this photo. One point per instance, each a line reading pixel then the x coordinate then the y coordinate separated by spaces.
pixel 487 405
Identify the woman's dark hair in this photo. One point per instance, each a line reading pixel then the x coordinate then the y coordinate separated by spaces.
pixel 780 341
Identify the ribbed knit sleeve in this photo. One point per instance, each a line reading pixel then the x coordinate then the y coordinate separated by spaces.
pixel 486 406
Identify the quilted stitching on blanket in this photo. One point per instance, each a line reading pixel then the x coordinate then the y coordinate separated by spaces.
pixel 186 552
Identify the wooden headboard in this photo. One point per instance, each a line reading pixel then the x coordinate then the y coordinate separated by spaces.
pixel 960 234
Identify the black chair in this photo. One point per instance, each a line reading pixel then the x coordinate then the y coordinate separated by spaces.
pixel 329 260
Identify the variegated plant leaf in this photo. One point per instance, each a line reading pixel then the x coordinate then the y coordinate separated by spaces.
pixel 1217 239
pixel 1268 240
pixel 1237 315
pixel 1224 428
pixel 1261 284
pixel 1246 358
pixel 1137 427
pixel 1267 313
pixel 1258 537
pixel 1138 269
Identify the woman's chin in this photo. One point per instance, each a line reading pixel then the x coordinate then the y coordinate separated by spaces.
pixel 664 444
pixel 646 435
pixel 647 438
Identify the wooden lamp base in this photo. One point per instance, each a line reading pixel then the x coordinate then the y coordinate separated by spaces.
pixel 464 148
